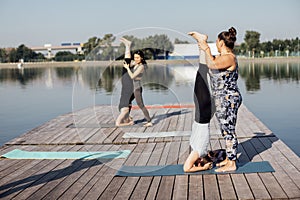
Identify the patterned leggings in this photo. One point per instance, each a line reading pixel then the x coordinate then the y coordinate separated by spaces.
pixel 227 106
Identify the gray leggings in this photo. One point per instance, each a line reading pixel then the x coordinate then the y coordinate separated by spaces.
pixel 139 100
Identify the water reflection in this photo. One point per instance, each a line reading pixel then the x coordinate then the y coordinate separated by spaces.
pixel 23 76
pixel 252 73
pixel 156 77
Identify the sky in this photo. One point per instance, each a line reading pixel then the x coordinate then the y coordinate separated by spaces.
pixel 39 22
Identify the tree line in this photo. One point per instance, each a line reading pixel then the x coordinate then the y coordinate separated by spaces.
pixel 252 47
pixel 154 47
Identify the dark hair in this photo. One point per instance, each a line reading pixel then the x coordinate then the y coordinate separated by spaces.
pixel 229 37
pixel 140 53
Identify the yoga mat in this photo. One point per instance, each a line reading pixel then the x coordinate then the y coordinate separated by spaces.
pixel 171 170
pixel 155 134
pixel 20 154
pixel 158 134
pixel 112 125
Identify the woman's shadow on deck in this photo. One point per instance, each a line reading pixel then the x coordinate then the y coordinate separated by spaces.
pixel 157 118
pixel 254 146
pixel 34 180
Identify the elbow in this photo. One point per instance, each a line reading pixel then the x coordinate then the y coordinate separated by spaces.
pixel 186 168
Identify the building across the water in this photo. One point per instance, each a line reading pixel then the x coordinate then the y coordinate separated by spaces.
pixel 189 51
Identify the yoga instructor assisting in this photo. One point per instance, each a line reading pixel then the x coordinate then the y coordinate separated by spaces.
pixel 223 70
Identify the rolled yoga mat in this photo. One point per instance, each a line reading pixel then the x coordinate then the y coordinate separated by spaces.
pixel 20 154
pixel 159 134
pixel 156 134
pixel 110 125
pixel 171 170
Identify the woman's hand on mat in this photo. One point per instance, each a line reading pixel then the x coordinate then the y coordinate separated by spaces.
pixel 148 124
pixel 208 166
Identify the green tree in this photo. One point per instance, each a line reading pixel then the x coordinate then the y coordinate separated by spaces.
pixel 3 56
pixel 12 56
pixel 108 51
pixel 25 53
pixel 161 45
pixel 267 47
pixel 90 44
pixel 153 46
pixel 252 41
pixel 178 41
pixel 65 56
pixel 99 48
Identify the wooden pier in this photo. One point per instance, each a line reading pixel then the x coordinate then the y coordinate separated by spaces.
pixel 92 179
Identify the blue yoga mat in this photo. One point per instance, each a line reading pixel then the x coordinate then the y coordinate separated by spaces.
pixel 20 154
pixel 171 170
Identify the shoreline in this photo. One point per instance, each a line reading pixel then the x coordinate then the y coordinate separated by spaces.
pixel 150 62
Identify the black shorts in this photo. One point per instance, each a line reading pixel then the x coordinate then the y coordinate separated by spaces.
pixel 127 95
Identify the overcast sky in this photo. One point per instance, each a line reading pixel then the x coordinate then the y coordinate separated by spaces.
pixel 38 22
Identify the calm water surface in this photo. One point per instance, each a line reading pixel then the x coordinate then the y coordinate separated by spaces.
pixel 33 96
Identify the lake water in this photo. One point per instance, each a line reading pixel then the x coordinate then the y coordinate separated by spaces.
pixel 33 96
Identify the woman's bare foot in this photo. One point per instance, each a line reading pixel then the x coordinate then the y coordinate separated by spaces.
pixel 221 164
pixel 198 36
pixel 125 41
pixel 229 166
pixel 148 124
pixel 130 123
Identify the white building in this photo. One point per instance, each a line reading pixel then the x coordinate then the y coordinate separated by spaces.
pixel 189 51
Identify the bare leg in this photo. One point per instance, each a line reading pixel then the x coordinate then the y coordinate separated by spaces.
pixel 189 163
pixel 122 117
pixel 127 44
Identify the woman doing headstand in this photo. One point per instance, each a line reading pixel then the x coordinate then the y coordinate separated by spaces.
pixel 127 96
pixel 199 139
pixel 224 75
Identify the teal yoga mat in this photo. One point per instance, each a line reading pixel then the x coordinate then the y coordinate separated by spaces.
pixel 171 170
pixel 20 154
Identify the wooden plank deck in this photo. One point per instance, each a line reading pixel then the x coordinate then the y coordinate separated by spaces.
pixel 91 179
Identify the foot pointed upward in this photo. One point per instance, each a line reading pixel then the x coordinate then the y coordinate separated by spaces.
pixel 125 41
pixel 198 36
